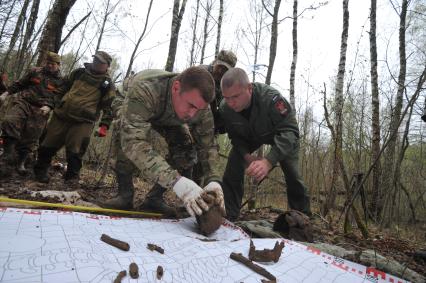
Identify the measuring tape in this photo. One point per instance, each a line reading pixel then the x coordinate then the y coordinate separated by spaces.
pixel 79 207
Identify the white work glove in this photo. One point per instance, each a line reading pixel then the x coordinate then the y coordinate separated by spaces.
pixel 3 96
pixel 45 110
pixel 216 189
pixel 190 193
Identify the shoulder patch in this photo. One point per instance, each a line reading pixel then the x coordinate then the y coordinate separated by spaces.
pixel 281 107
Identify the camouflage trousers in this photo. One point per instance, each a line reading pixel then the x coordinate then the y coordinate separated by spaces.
pixel 181 154
pixel 25 123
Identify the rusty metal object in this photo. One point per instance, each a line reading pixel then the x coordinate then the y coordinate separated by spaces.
pixel 256 268
pixel 134 270
pixel 211 219
pixel 153 247
pixel 116 243
pixel 120 276
pixel 266 255
pixel 160 272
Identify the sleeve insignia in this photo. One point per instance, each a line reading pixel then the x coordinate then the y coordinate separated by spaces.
pixel 281 107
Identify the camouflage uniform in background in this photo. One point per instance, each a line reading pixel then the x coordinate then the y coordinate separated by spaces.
pixel 225 60
pixel 24 121
pixel 87 95
pixel 145 111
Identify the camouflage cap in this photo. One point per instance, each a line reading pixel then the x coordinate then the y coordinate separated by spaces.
pixel 103 57
pixel 226 58
pixel 53 57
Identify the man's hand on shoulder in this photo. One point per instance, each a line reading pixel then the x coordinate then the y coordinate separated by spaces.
pixel 259 169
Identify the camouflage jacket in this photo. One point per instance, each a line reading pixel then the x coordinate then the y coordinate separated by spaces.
pixel 147 106
pixel 87 95
pixel 39 87
pixel 272 121
pixel 219 124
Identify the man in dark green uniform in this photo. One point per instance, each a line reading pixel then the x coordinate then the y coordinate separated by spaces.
pixel 25 121
pixel 89 91
pixel 256 114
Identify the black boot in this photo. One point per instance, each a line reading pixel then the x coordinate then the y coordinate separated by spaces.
pixel 7 160
pixel 20 164
pixel 154 202
pixel 41 168
pixel 72 175
pixel 124 199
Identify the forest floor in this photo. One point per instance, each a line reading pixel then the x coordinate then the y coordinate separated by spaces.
pixel 398 244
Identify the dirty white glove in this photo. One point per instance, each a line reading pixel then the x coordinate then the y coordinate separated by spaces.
pixel 45 110
pixel 216 188
pixel 3 96
pixel 190 193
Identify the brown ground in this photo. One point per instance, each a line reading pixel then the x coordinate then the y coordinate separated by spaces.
pixel 398 244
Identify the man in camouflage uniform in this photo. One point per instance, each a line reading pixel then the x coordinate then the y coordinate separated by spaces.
pixel 225 60
pixel 257 114
pixel 165 103
pixel 88 91
pixel 25 120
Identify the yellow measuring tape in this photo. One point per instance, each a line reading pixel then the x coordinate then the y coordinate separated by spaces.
pixel 79 207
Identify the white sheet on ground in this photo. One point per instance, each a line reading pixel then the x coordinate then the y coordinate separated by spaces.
pixel 57 246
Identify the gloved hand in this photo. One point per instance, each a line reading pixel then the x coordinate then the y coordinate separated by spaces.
pixel 216 189
pixel 102 131
pixel 45 110
pixel 3 96
pixel 190 193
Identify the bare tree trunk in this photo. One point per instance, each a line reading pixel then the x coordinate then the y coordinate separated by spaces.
pixel 375 105
pixel 274 39
pixel 28 33
pixel 15 34
pixel 174 35
pixel 132 58
pixel 338 144
pixel 51 37
pixel 6 20
pixel 194 35
pixel 219 27
pixel 294 62
pixel 208 10
pixel 389 172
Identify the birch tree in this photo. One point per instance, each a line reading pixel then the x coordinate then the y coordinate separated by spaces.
pixel 375 105
pixel 389 176
pixel 219 28
pixel 337 128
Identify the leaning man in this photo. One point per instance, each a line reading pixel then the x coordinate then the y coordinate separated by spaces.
pixel 169 104
pixel 256 114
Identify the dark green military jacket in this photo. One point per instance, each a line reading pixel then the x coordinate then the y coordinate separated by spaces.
pixel 272 121
pixel 148 105
pixel 39 87
pixel 87 95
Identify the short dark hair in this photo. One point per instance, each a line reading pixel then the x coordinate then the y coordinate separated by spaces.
pixel 198 78
pixel 234 76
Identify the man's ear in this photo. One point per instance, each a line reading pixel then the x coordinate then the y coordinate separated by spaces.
pixel 250 88
pixel 176 86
